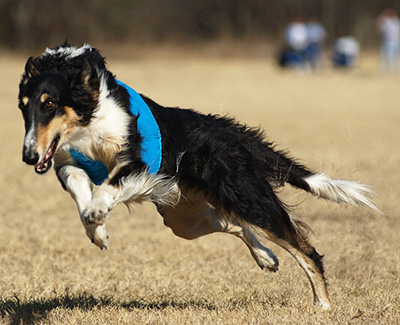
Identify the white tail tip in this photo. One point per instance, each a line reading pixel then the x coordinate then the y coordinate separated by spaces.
pixel 340 191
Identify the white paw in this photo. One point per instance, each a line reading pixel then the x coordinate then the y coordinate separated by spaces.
pixel 325 305
pixel 98 235
pixel 96 212
pixel 266 260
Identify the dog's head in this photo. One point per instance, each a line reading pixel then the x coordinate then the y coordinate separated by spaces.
pixel 59 92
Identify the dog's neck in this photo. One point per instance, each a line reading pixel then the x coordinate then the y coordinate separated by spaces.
pixel 102 140
pixel 105 136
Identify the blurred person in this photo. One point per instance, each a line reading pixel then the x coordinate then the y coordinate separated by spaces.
pixel 346 52
pixel 388 24
pixel 297 40
pixel 316 34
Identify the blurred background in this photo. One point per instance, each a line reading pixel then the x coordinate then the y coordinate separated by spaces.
pixel 219 57
pixel 34 24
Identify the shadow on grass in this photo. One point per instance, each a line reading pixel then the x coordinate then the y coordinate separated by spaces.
pixel 36 310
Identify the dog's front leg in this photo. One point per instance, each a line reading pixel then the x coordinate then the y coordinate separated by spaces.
pixel 102 202
pixel 135 188
pixel 78 184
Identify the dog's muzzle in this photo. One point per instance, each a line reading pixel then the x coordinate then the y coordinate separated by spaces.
pixel 44 165
pixel 30 156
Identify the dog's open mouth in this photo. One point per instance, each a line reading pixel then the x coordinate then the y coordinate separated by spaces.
pixel 45 164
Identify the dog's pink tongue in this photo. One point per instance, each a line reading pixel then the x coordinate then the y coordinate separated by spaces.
pixel 44 165
pixel 39 167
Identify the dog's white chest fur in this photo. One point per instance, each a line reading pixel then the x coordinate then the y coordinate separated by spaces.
pixel 108 129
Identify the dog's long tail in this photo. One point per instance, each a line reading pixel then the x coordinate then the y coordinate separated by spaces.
pixel 318 184
pixel 339 191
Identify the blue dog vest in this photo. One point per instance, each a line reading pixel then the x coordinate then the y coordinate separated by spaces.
pixel 150 146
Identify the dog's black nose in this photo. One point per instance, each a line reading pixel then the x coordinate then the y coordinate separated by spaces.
pixel 31 158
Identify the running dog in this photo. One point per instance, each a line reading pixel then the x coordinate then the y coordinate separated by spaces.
pixel 205 173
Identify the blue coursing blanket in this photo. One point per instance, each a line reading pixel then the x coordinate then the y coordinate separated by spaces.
pixel 150 147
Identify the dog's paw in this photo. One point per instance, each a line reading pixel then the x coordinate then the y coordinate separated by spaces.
pixel 98 235
pixel 266 260
pixel 96 213
pixel 271 266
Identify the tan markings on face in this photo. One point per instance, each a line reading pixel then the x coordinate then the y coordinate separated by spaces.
pixel 25 100
pixel 46 134
pixel 61 125
pixel 71 119
pixel 44 97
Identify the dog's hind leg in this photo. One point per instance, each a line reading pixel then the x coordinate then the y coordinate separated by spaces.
pixel 264 257
pixel 309 260
pixel 78 184
pixel 193 217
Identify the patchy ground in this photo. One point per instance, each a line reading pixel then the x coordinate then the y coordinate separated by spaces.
pixel 346 124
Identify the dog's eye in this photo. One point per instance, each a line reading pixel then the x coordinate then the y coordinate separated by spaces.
pixel 49 103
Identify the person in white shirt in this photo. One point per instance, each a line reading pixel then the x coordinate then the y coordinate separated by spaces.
pixel 389 26
pixel 297 38
pixel 316 35
pixel 346 52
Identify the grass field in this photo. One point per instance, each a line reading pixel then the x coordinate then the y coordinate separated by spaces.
pixel 345 124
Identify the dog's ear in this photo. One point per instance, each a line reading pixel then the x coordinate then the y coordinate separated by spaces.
pixel 87 77
pixel 31 69
pixel 86 73
pixel 85 91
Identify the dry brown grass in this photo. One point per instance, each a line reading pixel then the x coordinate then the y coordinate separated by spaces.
pixel 346 124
